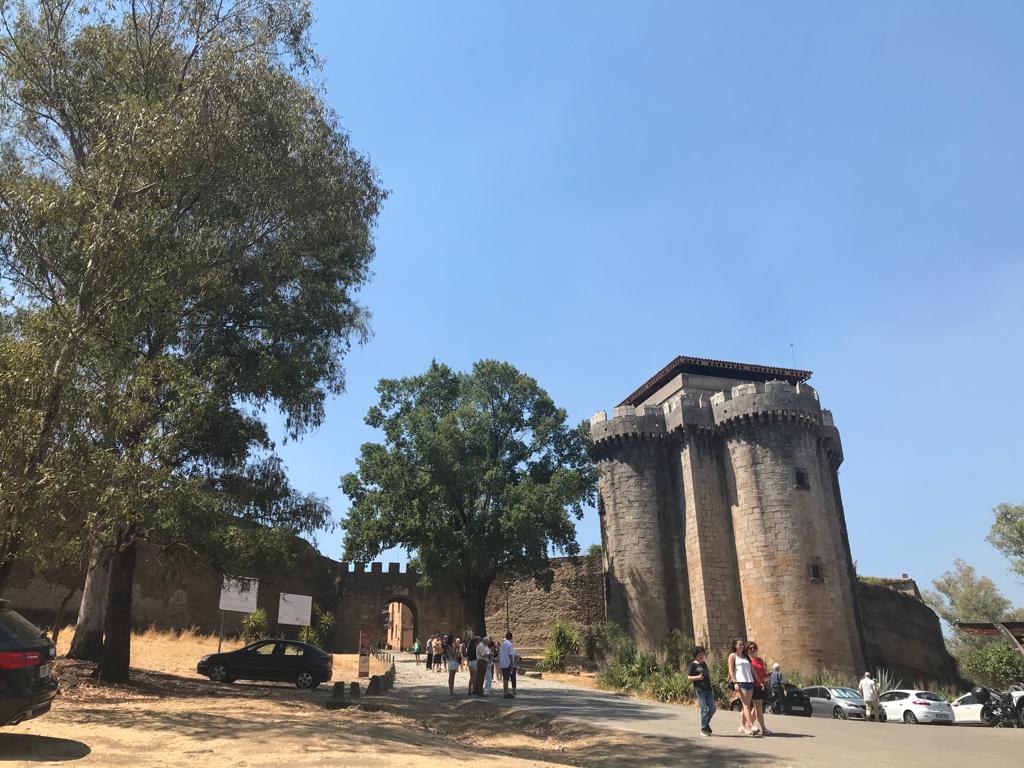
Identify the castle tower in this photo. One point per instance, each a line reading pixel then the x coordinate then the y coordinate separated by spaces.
pixel 719 499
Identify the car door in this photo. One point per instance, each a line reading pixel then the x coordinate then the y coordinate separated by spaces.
pixel 293 661
pixel 966 710
pixel 818 703
pixel 257 661
pixel 885 702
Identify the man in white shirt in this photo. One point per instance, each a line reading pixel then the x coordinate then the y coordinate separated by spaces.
pixel 506 660
pixel 869 692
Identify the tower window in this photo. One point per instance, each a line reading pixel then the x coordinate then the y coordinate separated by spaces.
pixel 817 571
pixel 801 479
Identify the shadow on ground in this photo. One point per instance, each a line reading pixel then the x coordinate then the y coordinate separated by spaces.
pixel 26 747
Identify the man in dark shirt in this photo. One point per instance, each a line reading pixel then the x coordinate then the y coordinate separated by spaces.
pixel 700 676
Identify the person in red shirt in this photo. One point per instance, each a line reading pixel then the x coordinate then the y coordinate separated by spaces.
pixel 760 674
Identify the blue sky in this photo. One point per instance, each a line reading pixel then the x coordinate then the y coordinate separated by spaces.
pixel 588 189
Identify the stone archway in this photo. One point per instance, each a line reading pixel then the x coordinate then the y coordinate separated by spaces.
pixel 402 624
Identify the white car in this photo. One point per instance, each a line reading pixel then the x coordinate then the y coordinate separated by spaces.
pixel 838 703
pixel 967 711
pixel 914 706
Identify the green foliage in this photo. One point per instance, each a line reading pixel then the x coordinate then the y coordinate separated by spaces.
pixel 670 687
pixel 1007 534
pixel 607 639
pixel 678 650
pixel 255 626
pixel 565 642
pixel 594 550
pixel 994 664
pixel 319 632
pixel 961 595
pixel 478 473
pixel 886 680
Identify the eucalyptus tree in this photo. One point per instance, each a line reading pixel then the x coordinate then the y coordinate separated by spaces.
pixel 184 226
pixel 479 474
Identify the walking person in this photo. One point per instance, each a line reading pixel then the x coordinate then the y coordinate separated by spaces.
pixel 430 652
pixel 757 665
pixel 471 662
pixel 416 650
pixel 869 692
pixel 777 688
pixel 698 674
pixel 492 651
pixel 743 683
pixel 454 660
pixel 506 657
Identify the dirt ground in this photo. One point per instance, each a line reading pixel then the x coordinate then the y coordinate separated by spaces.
pixel 168 716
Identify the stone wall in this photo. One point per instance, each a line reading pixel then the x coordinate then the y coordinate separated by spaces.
pixel 576 596
pixel 904 635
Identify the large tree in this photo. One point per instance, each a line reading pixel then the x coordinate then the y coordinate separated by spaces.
pixel 479 474
pixel 183 228
pixel 962 595
pixel 1007 534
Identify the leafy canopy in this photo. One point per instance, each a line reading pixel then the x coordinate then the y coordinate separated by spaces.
pixel 478 474
pixel 1007 534
pixel 962 595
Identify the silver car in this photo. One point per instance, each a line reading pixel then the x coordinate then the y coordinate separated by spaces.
pixel 836 702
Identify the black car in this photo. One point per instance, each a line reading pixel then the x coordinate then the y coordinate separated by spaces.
pixel 27 686
pixel 795 702
pixel 279 660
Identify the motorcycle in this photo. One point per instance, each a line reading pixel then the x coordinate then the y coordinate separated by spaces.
pixel 997 709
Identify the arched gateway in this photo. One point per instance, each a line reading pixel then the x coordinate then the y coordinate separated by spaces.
pixel 364 597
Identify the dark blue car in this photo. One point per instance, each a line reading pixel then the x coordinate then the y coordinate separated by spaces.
pixel 27 687
pixel 286 661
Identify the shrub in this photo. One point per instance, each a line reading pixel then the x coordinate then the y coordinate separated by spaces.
pixel 565 642
pixel 995 664
pixel 886 680
pixel 319 632
pixel 254 626
pixel 670 686
pixel 608 640
pixel 678 650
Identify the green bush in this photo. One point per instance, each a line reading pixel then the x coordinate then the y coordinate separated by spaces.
pixel 565 642
pixel 254 626
pixel 319 632
pixel 678 650
pixel 670 686
pixel 995 664
pixel 608 639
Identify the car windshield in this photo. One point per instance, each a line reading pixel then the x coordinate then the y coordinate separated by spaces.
pixel 845 693
pixel 14 626
pixel 928 696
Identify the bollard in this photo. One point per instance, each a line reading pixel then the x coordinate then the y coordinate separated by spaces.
pixel 353 690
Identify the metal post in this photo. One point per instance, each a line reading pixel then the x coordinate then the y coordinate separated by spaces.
pixel 220 637
pixel 507 585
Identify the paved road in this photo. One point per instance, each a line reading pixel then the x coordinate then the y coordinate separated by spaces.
pixel 797 740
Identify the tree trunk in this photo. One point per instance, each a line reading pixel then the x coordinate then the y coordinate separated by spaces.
pixel 58 620
pixel 117 648
pixel 87 644
pixel 474 598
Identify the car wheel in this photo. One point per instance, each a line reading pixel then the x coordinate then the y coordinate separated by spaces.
pixel 219 674
pixel 838 713
pixel 909 718
pixel 305 681
pixel 988 717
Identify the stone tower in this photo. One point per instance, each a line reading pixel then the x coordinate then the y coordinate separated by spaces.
pixel 721 514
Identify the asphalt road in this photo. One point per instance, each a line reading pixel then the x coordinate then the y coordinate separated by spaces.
pixel 803 741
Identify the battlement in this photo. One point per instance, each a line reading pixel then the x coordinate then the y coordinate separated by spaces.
pixel 350 570
pixel 772 399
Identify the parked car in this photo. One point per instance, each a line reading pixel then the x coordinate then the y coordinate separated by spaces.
pixel 795 702
pixel 27 686
pixel 276 660
pixel 914 706
pixel 967 710
pixel 836 702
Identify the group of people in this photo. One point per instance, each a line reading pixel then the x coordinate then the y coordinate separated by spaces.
pixel 483 657
pixel 748 676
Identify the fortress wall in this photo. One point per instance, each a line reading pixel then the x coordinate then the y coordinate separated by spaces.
pixel 904 635
pixel 782 530
pixel 710 546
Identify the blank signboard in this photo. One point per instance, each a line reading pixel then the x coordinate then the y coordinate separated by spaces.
pixel 295 609
pixel 239 595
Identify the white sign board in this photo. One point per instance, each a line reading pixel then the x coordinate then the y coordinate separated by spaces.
pixel 239 595
pixel 295 609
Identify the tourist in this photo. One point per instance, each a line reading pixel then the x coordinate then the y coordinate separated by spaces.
pixel 492 652
pixel 451 654
pixel 743 683
pixel 757 666
pixel 471 658
pixel 435 649
pixel 506 658
pixel 416 650
pixel 777 688
pixel 869 692
pixel 699 675
pixel 430 651
pixel 480 651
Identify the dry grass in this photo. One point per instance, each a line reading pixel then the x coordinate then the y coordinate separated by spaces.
pixel 176 652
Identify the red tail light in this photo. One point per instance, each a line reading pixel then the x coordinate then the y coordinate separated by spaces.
pixel 20 659
pixel 922 703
